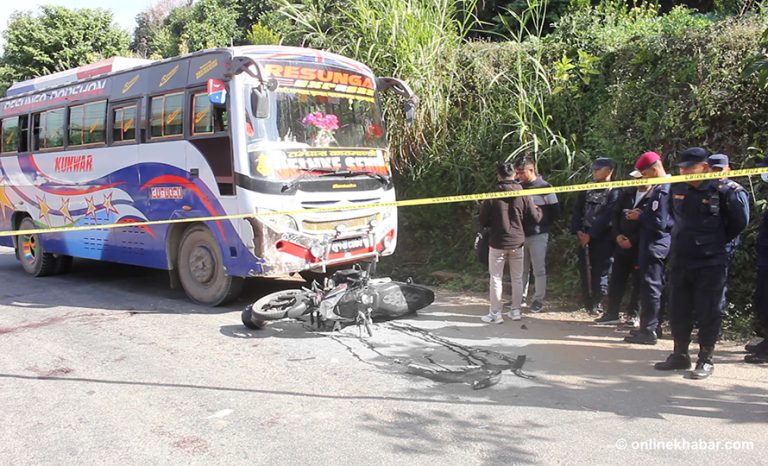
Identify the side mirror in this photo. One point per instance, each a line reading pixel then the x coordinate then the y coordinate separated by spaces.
pixel 260 102
pixel 409 107
pixel 401 88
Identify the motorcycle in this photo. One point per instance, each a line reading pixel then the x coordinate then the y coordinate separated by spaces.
pixel 348 296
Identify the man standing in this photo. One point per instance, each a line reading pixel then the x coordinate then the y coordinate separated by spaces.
pixel 759 353
pixel 707 214
pixel 721 163
pixel 504 217
pixel 655 227
pixel 626 234
pixel 536 231
pixel 591 222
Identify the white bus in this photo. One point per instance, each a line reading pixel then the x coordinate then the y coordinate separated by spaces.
pixel 222 132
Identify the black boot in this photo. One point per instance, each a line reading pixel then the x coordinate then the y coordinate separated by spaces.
pixel 679 359
pixel 704 366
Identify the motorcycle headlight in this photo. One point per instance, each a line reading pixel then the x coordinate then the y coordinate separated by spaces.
pixel 317 250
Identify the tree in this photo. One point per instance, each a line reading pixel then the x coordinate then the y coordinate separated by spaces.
pixel 57 39
pixel 175 27
pixel 149 23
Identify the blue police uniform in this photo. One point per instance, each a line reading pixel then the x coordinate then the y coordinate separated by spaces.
pixel 655 227
pixel 593 214
pixel 706 219
pixel 761 291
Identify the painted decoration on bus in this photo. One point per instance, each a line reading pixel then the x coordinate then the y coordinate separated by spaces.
pixel 284 165
pixel 321 81
pixel 55 96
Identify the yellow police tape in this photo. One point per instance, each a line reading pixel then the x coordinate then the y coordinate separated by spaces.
pixel 416 202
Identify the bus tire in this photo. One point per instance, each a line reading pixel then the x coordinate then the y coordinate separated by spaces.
pixel 201 269
pixel 34 260
pixel 63 264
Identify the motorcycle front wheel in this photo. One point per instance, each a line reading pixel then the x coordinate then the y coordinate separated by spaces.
pixel 280 305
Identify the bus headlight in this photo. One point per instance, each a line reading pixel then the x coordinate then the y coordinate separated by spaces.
pixel 279 222
pixel 387 212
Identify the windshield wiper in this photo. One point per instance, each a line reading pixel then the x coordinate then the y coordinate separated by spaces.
pixel 331 172
pixel 350 173
pixel 305 173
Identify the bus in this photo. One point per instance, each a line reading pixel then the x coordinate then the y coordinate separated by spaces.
pixel 269 139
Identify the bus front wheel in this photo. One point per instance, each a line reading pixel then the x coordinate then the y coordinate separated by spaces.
pixel 34 260
pixel 201 269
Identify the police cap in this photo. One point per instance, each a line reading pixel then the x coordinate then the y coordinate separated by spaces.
pixel 692 156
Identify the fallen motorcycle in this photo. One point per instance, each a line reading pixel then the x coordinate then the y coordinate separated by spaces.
pixel 348 296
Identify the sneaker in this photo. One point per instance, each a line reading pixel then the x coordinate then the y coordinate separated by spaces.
pixel 536 306
pixel 632 322
pixel 493 318
pixel 514 314
pixel 595 310
pixel 703 369
pixel 607 319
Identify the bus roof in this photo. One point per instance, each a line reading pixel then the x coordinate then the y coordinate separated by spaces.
pixel 100 67
pixel 119 78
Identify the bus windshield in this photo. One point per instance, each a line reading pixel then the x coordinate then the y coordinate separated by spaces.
pixel 304 120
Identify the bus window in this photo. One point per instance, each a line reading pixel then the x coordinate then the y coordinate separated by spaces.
pixel 48 129
pixel 86 124
pixel 207 118
pixel 166 115
pixel 124 126
pixel 10 127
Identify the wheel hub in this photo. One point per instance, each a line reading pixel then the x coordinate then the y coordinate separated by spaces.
pixel 29 245
pixel 202 264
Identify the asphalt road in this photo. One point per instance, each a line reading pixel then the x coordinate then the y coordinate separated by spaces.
pixel 106 365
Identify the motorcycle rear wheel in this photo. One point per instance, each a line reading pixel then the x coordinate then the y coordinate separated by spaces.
pixel 280 305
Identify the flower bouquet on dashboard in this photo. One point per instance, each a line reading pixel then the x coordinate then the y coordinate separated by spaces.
pixel 320 128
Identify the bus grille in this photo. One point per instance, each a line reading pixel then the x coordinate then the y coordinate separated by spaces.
pixel 350 223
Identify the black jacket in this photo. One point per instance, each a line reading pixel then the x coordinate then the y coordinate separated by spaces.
pixel 628 228
pixel 593 212
pixel 505 217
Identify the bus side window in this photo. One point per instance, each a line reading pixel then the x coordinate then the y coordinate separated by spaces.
pixel 87 123
pixel 124 124
pixel 23 133
pixel 48 129
pixel 10 134
pixel 206 117
pixel 167 115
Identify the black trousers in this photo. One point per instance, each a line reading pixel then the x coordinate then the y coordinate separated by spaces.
pixel 625 270
pixel 651 292
pixel 600 261
pixel 761 302
pixel 696 296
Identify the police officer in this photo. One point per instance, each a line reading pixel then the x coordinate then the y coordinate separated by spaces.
pixel 759 353
pixel 707 214
pixel 625 269
pixel 591 222
pixel 721 163
pixel 655 228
